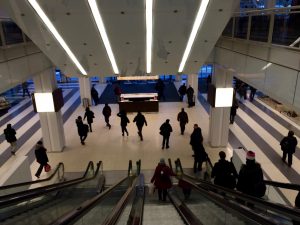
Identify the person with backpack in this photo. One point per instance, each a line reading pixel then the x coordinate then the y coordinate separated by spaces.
pixel 288 147
pixel 10 136
pixel 183 119
pixel 162 180
pixel 140 120
pixel 90 116
pixel 41 157
pixel 124 121
pixel 83 129
pixel 165 131
pixel 106 113
pixel 224 173
pixel 251 179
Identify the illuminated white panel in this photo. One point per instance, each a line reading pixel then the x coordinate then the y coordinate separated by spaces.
pixel 100 25
pixel 197 23
pixel 224 97
pixel 154 77
pixel 44 102
pixel 149 15
pixel 55 33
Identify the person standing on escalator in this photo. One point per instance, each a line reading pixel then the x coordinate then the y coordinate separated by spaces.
pixel 162 179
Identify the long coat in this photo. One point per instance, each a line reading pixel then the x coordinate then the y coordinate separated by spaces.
pixel 182 117
pixel 291 144
pixel 89 115
pixel 224 174
pixel 161 177
pixel 140 120
pixel 10 135
pixel 80 128
pixel 41 155
pixel 165 129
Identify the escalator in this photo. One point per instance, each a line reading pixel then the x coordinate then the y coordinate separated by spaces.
pixel 42 205
pixel 58 175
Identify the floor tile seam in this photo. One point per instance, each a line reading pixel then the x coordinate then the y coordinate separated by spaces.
pixel 268 128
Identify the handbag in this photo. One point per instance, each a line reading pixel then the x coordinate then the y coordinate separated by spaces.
pixel 47 168
pixel 151 188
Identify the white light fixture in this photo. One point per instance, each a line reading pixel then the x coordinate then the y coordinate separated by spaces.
pixel 44 102
pixel 154 77
pixel 266 66
pixel 100 25
pixel 224 97
pixel 197 23
pixel 149 16
pixel 55 33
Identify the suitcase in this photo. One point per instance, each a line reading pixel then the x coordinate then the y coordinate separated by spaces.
pixel 194 101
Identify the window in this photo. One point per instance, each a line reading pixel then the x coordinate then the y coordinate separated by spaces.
pixel 12 33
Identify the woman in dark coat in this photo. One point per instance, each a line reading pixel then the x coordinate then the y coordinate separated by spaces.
pixel 82 129
pixel 90 116
pixel 41 157
pixel 124 121
pixel 162 180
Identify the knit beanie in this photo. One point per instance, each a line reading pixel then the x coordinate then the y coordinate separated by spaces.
pixel 250 155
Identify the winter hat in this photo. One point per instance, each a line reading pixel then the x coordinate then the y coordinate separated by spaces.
pixel 162 161
pixel 250 155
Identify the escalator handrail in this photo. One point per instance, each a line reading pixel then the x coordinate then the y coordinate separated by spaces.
pixel 36 192
pixel 283 185
pixel 282 209
pixel 226 204
pixel 85 207
pixel 185 213
pixel 114 216
pixel 60 165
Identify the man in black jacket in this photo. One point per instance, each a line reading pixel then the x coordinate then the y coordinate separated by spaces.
pixel 10 136
pixel 183 119
pixel 224 172
pixel 182 91
pixel 106 113
pixel 196 142
pixel 165 131
pixel 140 120
pixel 41 157
pixel 190 96
pixel 288 147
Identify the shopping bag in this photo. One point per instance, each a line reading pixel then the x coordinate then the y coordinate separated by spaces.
pixel 47 168
pixel 151 189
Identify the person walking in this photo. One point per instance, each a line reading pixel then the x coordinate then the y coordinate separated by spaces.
pixel 288 147
pixel 183 119
pixel 106 113
pixel 165 131
pixel 182 91
pixel 10 136
pixel 41 157
pixel 140 120
pixel 160 87
pixel 251 180
pixel 118 92
pixel 224 172
pixel 25 89
pixel 196 142
pixel 233 109
pixel 90 116
pixel 190 96
pixel 83 129
pixel 252 93
pixel 95 95
pixel 124 121
pixel 162 179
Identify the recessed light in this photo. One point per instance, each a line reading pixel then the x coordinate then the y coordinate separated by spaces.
pixel 168 53
pixel 55 33
pixel 48 44
pixel 195 61
pixel 197 23
pixel 130 63
pixel 95 64
pixel 90 55
pixel 170 42
pixel 205 41
pixel 68 13
pixel 175 11
pixel 127 43
pixel 122 12
pixel 65 64
pixel 22 14
pixel 166 62
pixel 220 10
pixel 100 25
pixel 84 43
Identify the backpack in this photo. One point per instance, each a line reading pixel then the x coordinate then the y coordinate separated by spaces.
pixel 285 144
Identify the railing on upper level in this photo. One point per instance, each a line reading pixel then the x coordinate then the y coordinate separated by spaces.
pixel 279 26
pixel 11 34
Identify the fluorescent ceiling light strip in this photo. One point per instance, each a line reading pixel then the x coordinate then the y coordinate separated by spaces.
pixel 198 20
pixel 101 29
pixel 149 16
pixel 55 33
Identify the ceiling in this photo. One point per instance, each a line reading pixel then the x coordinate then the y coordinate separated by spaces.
pixel 125 24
